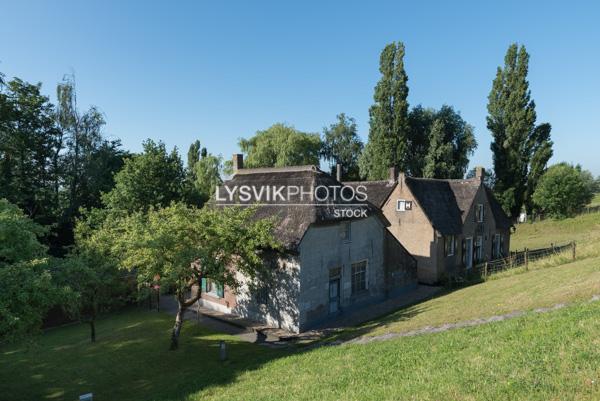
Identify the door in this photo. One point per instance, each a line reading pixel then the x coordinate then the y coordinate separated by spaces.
pixel 469 253
pixel 334 295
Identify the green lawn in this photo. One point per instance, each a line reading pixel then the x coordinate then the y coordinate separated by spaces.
pixel 583 229
pixel 551 356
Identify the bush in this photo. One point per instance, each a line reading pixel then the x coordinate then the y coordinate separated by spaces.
pixel 562 191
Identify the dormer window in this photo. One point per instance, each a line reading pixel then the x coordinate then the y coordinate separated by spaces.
pixel 479 212
pixel 403 205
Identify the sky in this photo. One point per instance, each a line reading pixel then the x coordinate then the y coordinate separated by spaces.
pixel 218 71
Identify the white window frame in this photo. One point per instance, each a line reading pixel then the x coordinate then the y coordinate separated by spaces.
pixel 403 205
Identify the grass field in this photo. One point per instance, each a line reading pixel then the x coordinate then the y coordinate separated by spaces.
pixel 549 356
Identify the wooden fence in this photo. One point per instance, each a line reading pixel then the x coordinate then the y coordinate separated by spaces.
pixel 519 258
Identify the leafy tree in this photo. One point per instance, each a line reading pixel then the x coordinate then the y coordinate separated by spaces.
pixel 281 145
pixel 388 118
pixel 95 284
pixel 511 119
pixel 541 152
pixel 180 245
pixel 342 145
pixel 29 141
pixel 562 191
pixel 27 294
pixel 420 121
pixel 153 178
pixel 451 142
pixel 203 174
pixel 19 236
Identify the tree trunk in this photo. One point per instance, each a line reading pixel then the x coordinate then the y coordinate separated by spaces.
pixel 93 330
pixel 177 327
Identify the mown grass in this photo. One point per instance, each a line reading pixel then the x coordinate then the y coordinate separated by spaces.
pixel 551 356
pixel 541 286
pixel 582 229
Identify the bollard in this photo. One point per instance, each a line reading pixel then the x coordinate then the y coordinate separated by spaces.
pixel 222 351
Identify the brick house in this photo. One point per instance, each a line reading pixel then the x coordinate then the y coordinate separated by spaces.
pixel 329 264
pixel 448 225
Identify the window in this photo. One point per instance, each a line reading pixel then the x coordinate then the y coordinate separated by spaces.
pixel 479 212
pixel 449 244
pixel 212 288
pixel 359 277
pixel 403 205
pixel 346 232
pixel 497 246
pixel 479 249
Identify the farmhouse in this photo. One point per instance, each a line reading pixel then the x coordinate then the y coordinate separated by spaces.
pixel 448 225
pixel 338 254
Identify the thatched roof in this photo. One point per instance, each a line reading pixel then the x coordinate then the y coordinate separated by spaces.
pixel 294 215
pixel 377 191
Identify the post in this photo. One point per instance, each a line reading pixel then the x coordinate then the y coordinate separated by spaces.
pixel 574 246
pixel 222 351
pixel 526 258
pixel 485 270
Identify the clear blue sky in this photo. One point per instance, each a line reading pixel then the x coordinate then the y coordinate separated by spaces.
pixel 218 71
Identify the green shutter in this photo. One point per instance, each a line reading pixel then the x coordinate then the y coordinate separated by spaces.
pixel 203 286
pixel 220 290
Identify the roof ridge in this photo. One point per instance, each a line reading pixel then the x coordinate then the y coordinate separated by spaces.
pixel 285 169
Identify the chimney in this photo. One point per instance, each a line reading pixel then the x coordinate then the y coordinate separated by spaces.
pixel 238 162
pixel 393 175
pixel 479 173
pixel 338 172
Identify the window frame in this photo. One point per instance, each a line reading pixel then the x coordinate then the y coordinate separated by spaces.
pixel 357 291
pixel 478 248
pixel 479 213
pixel 406 205
pixel 346 233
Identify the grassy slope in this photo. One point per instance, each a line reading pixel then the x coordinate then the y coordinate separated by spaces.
pixel 583 229
pixel 552 356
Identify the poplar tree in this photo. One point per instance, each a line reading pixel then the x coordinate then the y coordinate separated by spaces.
pixel 511 120
pixel 389 127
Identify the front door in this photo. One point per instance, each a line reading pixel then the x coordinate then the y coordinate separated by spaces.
pixel 334 295
pixel 469 253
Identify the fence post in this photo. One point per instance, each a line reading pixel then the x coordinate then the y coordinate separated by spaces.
pixel 573 246
pixel 526 259
pixel 485 270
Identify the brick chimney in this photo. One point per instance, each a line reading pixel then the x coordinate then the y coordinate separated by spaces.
pixel 338 172
pixel 480 173
pixel 238 162
pixel 393 174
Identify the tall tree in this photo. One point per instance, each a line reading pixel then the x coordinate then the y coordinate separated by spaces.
pixel 281 145
pixel 511 119
pixel 342 145
pixel 388 118
pixel 203 174
pixel 541 152
pixel 451 142
pixel 420 120
pixel 28 142
pixel 153 178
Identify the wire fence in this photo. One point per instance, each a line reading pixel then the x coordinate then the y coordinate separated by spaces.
pixel 515 259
